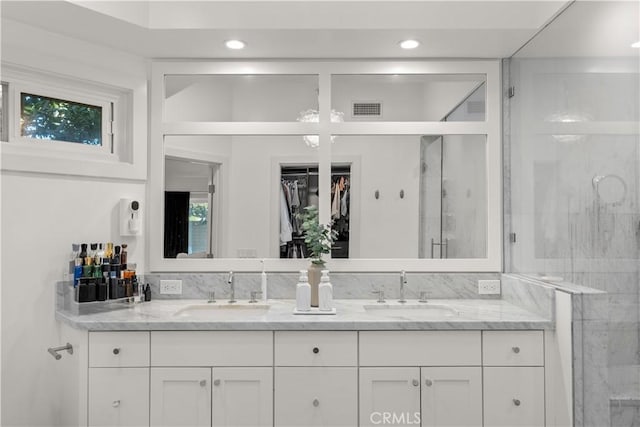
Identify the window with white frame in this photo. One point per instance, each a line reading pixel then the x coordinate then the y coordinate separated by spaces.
pixel 53 119
pixel 61 116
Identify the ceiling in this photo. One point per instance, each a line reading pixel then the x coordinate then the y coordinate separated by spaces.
pixel 295 28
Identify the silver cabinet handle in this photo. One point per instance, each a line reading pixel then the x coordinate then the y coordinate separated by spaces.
pixel 115 403
pixel 516 402
pixel 203 383
pixel 516 350
pixel 428 383
pixel 216 382
pixel 116 351
pixel 416 383
pixel 316 402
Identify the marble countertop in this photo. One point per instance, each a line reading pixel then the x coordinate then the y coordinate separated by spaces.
pixel 350 314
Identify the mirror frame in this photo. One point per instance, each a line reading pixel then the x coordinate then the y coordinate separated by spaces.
pixel 491 127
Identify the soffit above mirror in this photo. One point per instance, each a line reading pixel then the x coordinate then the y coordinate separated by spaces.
pixel 293 29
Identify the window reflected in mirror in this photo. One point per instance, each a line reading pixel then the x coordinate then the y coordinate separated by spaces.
pixel 189 199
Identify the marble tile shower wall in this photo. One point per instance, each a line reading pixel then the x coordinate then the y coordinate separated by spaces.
pixel 345 285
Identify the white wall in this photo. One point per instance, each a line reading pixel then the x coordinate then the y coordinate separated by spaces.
pixel 42 215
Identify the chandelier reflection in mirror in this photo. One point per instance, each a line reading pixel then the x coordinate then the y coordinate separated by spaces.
pixel 312 116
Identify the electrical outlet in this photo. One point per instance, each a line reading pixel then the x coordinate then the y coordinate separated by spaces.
pixel 488 287
pixel 171 287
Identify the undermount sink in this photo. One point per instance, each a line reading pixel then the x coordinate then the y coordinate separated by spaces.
pixel 411 310
pixel 222 309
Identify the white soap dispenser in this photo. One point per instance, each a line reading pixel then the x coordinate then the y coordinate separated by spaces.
pixel 303 293
pixel 325 292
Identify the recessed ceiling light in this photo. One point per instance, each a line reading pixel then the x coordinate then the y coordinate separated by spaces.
pixel 636 45
pixel 409 44
pixel 235 44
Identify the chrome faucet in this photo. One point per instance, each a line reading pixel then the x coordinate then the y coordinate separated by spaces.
pixel 232 296
pixel 403 281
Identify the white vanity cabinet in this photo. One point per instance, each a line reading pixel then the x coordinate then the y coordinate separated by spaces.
pixel 242 396
pixel 118 397
pixel 428 377
pixel 451 396
pixel 181 397
pixel 204 378
pixel 513 386
pixel 118 380
pixel 316 378
pixel 389 396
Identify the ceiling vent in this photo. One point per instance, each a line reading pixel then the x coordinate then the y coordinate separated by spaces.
pixel 366 109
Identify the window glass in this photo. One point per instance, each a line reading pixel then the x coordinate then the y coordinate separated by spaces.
pixel 46 118
pixel 198 223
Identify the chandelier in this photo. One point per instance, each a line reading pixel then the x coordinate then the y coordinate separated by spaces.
pixel 312 116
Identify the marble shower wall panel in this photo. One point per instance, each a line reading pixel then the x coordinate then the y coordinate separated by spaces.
pixel 596 383
pixel 585 201
pixel 536 297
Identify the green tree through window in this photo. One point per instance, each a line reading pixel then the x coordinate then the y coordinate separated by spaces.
pixel 56 119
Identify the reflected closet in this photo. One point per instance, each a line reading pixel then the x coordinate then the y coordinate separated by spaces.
pixel 299 189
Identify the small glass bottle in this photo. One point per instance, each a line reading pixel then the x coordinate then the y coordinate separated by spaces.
pixel 108 252
pixel 123 256
pixel 303 293
pixel 83 252
pixel 99 255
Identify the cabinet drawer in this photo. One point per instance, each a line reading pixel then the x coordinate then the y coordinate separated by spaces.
pixel 316 348
pixel 513 396
pixel 512 348
pixel 211 348
pixel 316 396
pixel 420 348
pixel 118 397
pixel 118 349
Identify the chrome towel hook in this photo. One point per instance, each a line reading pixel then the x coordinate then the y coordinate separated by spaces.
pixel 54 350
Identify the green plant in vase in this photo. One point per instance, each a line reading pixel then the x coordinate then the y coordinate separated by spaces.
pixel 318 238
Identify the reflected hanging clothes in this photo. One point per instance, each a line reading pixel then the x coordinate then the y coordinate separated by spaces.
pixel 335 203
pixel 285 221
pixel 344 210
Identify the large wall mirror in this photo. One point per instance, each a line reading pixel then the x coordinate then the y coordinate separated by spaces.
pixel 402 159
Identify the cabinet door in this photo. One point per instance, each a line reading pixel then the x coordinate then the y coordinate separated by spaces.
pixel 119 396
pixel 180 396
pixel 242 397
pixel 316 396
pixel 513 396
pixel 451 396
pixel 389 396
